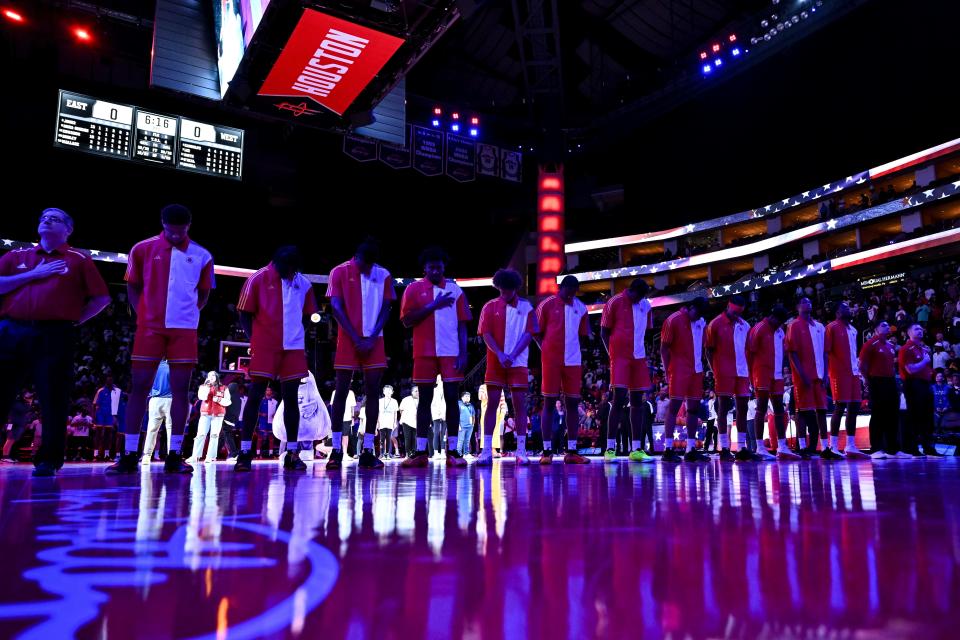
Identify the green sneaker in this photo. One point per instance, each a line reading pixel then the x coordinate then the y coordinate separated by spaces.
pixel 610 455
pixel 640 456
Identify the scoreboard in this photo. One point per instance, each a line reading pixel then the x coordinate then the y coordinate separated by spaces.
pixel 122 131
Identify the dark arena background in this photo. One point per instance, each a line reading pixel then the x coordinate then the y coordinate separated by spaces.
pixel 727 230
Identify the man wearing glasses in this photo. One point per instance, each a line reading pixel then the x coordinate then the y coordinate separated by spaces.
pixel 44 291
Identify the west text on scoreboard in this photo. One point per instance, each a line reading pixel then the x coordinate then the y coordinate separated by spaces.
pixel 122 131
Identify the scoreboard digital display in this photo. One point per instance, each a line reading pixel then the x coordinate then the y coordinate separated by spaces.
pixel 116 130
pixel 208 148
pixel 156 138
pixel 94 126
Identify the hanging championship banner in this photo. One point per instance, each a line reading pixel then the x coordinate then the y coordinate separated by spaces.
pixel 488 160
pixel 428 151
pixel 396 156
pixel 360 149
pixel 461 158
pixel 511 167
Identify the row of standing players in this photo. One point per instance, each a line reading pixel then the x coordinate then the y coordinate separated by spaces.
pixel 49 288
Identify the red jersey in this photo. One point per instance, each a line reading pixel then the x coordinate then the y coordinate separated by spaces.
pixel 628 324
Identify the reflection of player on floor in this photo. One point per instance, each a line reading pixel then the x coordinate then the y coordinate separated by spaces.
pixel 681 349
pixel 562 321
pixel 361 293
pixel 623 329
pixel 507 324
pixel 274 303
pixel 437 311
pixel 765 350
pixel 169 278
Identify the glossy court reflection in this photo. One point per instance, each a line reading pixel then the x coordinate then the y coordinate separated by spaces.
pixel 596 551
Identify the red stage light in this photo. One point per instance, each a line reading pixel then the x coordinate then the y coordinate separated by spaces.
pixel 437 111
pixel 12 15
pixel 716 48
pixel 82 34
pixel 474 120
pixel 455 115
pixel 550 184
pixel 703 55
pixel 733 37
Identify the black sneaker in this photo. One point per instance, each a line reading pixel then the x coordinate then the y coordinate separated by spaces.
pixel 830 454
pixel 369 460
pixel 44 470
pixel 808 453
pixel 416 460
pixel 292 462
pixel 126 464
pixel 727 456
pixel 932 452
pixel 695 456
pixel 335 461
pixel 671 455
pixel 244 461
pixel 454 459
pixel 744 455
pixel 175 464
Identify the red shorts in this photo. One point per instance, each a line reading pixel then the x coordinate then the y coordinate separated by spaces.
pixel 348 358
pixel 773 387
pixel 278 364
pixel 512 378
pixel 629 373
pixel 846 388
pixel 427 368
pixel 561 379
pixel 810 398
pixel 177 346
pixel 685 386
pixel 732 386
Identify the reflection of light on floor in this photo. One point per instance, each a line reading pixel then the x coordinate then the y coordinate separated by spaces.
pixel 499 501
pixel 222 624
pixel 299 611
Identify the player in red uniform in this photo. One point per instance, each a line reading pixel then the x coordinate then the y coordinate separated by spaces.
pixel 681 350
pixel 840 345
pixel 765 351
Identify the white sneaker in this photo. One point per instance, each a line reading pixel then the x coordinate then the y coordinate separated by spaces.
pixel 902 455
pixel 231 460
pixel 853 453
pixel 485 459
pixel 208 461
pixel 521 456
pixel 145 461
pixel 766 455
pixel 191 460
pixel 878 455
pixel 786 454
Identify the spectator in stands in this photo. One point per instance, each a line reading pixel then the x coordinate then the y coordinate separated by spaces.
pixel 916 370
pixel 106 406
pixel 22 414
pixel 941 402
pixel 941 359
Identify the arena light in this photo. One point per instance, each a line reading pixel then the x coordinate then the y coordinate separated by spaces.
pixel 315 318
pixel 733 37
pixel 435 123
pixel 437 111
pixel 455 127
pixel 12 16
pixel 703 55
pixel 82 34
pixel 718 62
pixel 707 69
pixel 455 115
pixel 474 132
pixel 716 48
pixel 735 52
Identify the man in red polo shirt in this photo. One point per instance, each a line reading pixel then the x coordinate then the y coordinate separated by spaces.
pixel 562 322
pixel 840 345
pixel 507 325
pixel 878 362
pixel 916 370
pixel 169 278
pixel 726 343
pixel 623 328
pixel 681 350
pixel 437 311
pixel 274 303
pixel 805 338
pixel 361 293
pixel 765 350
pixel 44 291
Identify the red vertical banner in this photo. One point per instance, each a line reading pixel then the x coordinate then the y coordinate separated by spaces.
pixel 550 230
